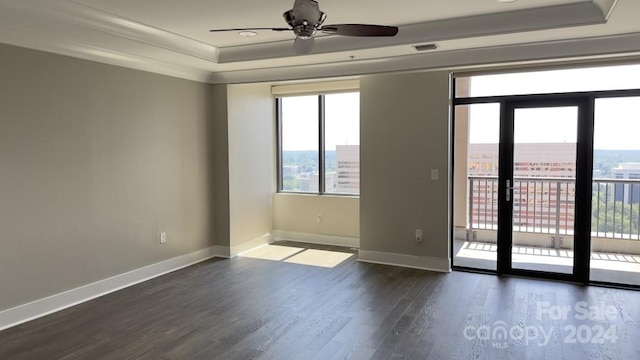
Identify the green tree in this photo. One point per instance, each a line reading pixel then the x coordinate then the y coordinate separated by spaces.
pixel 609 216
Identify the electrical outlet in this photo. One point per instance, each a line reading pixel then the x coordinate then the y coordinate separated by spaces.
pixel 318 217
pixel 418 235
pixel 163 237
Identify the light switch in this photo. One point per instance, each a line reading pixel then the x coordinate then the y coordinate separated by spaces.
pixel 434 174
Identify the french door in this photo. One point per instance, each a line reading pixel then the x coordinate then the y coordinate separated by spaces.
pixel 544 187
pixel 546 182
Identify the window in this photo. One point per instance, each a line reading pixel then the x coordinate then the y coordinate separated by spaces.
pixel 298 117
pixel 319 143
pixel 601 78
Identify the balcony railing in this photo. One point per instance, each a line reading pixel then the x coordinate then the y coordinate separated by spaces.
pixel 547 206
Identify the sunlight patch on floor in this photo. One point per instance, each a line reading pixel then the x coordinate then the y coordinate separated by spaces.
pixel 530 258
pixel 298 255
pixel 548 256
pixel 615 265
pixel 472 252
pixel 272 252
pixel 321 258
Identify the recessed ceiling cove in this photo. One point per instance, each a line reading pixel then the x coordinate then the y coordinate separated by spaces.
pixel 173 37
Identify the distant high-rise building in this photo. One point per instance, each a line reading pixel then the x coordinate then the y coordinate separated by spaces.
pixel 348 169
pixel 311 183
pixel 627 193
pixel 559 160
pixel 535 200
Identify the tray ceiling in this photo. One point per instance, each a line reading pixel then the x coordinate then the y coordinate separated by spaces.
pixel 172 37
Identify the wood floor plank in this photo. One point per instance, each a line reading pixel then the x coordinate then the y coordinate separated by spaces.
pixel 248 308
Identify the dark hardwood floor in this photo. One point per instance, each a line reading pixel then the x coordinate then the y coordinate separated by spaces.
pixel 247 308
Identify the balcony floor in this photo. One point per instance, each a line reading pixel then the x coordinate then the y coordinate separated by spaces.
pixel 606 267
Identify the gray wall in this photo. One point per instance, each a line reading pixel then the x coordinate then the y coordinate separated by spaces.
pixel 404 132
pixel 298 213
pixel 220 161
pixel 95 161
pixel 251 137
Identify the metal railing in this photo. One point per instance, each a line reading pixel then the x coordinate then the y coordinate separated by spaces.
pixel 547 206
pixel 616 208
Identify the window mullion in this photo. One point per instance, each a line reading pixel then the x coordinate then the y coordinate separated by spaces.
pixel 279 155
pixel 321 137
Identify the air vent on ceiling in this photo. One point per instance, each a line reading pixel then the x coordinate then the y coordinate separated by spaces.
pixel 425 47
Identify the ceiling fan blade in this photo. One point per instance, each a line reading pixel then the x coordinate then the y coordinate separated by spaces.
pixel 303 46
pixel 251 29
pixel 360 30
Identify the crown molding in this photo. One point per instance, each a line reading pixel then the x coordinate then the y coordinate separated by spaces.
pixel 72 12
pixel 606 6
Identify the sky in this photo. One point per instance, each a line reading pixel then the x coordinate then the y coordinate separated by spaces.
pixel 617 120
pixel 300 121
pixel 530 125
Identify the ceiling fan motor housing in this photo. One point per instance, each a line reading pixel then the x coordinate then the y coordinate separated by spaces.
pixel 305 18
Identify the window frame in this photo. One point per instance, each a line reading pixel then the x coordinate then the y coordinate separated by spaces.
pixel 591 95
pixel 321 146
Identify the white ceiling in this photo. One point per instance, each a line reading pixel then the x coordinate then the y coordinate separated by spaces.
pixel 172 37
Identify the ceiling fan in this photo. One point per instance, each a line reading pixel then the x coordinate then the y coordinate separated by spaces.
pixel 305 19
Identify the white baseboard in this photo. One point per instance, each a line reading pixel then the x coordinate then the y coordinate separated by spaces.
pixel 222 252
pixel 350 242
pixel 33 310
pixel 249 245
pixel 409 261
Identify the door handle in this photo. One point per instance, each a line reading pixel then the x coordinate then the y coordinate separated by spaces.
pixel 509 188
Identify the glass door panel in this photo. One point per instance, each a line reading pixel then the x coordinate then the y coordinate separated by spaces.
pixel 477 137
pixel 542 188
pixel 615 209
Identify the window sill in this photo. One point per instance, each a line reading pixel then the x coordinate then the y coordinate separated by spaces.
pixel 327 195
